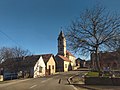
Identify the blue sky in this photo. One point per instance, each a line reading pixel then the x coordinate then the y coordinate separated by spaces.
pixel 35 24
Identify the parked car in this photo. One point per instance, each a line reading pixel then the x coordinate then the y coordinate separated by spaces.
pixel 10 76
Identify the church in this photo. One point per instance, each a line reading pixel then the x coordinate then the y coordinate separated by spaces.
pixel 64 59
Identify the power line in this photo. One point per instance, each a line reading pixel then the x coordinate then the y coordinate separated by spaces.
pixel 10 38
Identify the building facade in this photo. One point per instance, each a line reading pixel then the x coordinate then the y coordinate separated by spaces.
pixel 107 59
pixel 30 66
pixel 65 60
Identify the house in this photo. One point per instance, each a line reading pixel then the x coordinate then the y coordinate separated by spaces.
pixel 81 62
pixel 63 63
pixel 65 60
pixel 46 65
pixel 88 64
pixel 30 66
pixel 107 59
pixel 50 63
pixel 72 58
pixel 78 62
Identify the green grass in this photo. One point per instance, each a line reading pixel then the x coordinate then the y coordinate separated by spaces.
pixel 92 74
pixel 96 74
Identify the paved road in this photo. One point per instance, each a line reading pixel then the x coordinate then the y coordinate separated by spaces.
pixel 44 83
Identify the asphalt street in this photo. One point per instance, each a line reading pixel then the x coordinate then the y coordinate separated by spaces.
pixel 53 82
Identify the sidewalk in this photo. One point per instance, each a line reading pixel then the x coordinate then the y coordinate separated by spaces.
pixel 10 82
pixel 79 83
pixel 94 87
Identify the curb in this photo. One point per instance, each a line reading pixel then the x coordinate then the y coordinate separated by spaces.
pixel 70 79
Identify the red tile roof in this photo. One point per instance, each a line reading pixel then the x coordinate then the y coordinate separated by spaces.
pixel 64 58
pixel 68 53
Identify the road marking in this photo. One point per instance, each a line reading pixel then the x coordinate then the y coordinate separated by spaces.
pixel 74 87
pixel 33 86
pixel 11 82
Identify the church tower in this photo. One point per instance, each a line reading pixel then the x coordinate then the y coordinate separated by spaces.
pixel 61 44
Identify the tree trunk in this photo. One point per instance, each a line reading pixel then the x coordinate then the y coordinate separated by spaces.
pixel 97 64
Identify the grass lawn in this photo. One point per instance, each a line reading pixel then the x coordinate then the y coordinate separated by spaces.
pixel 92 74
pixel 96 74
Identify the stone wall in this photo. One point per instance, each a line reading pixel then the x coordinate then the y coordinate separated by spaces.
pixel 102 81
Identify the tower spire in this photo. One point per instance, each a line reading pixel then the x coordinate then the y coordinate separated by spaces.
pixel 61 44
pixel 61 35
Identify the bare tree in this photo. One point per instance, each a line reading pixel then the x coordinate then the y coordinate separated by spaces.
pixel 95 30
pixel 6 52
pixel 19 52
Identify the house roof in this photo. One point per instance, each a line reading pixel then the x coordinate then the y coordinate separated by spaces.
pixel 68 53
pixel 46 57
pixel 28 61
pixel 34 58
pixel 64 58
pixel 79 59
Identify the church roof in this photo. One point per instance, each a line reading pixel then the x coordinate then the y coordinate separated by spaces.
pixel 61 35
pixel 68 53
pixel 64 58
